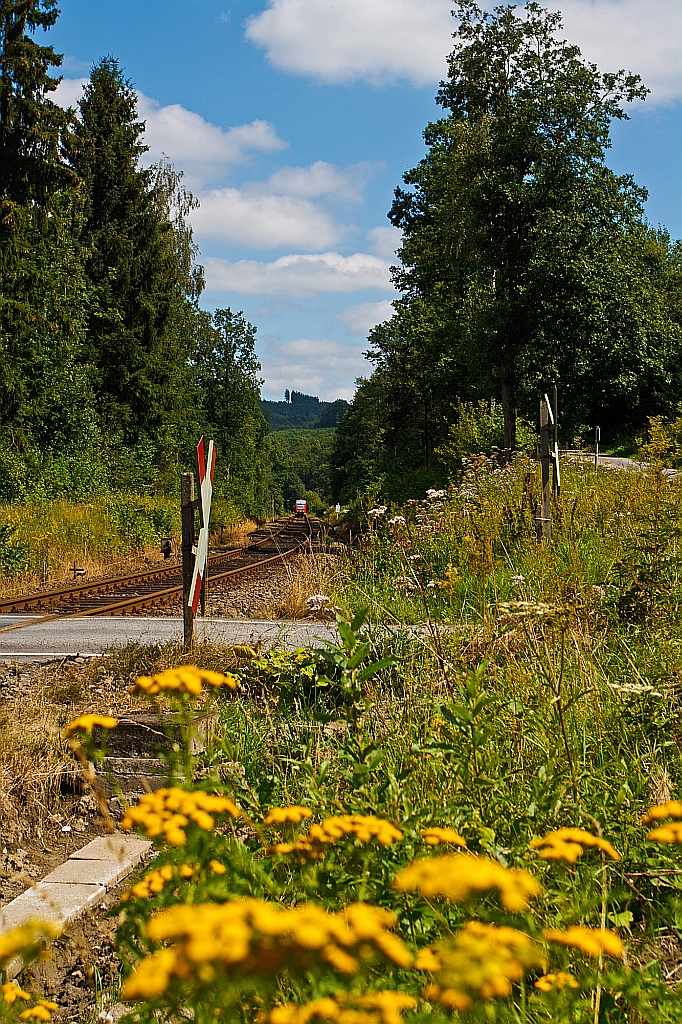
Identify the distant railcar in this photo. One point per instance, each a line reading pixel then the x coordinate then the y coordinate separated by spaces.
pixel 301 507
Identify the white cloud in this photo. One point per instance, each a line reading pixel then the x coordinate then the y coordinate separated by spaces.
pixel 385 241
pixel 324 368
pixel 382 40
pixel 204 151
pixel 201 149
pixel 262 221
pixel 644 37
pixel 69 91
pixel 375 40
pixel 298 275
pixel 323 179
pixel 361 319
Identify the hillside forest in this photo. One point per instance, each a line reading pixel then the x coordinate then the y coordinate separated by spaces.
pixel 525 262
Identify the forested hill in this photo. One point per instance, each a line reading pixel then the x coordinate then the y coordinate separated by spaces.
pixel 303 411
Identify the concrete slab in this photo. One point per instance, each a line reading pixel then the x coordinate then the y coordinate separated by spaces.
pixel 116 847
pixel 88 872
pixel 55 903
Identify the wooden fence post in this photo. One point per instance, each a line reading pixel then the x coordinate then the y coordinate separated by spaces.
pixel 544 462
pixel 187 513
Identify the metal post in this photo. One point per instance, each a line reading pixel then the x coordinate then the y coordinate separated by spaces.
pixel 597 439
pixel 187 513
pixel 556 477
pixel 544 462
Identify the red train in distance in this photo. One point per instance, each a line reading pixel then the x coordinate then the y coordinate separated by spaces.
pixel 301 507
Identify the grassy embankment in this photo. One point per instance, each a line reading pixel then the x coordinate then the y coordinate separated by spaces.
pixel 550 700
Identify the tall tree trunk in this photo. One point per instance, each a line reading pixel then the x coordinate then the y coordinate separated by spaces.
pixel 508 403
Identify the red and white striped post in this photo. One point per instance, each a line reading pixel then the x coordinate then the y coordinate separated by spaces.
pixel 194 568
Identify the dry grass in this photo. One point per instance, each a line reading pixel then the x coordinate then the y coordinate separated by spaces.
pixel 312 573
pixel 235 536
pixel 61 571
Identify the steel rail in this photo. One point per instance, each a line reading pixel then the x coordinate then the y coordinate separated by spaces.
pixel 168 594
pixel 40 598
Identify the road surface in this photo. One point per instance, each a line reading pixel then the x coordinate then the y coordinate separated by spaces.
pixel 87 637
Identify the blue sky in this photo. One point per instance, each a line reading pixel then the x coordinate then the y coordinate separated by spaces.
pixel 294 121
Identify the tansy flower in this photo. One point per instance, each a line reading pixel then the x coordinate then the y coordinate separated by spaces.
pixel 186 679
pixel 24 939
pixel 217 867
pixel 345 1008
pixel 670 809
pixel 549 982
pixel 11 992
pixel 670 833
pixel 433 836
pixel 456 876
pixel 281 815
pixel 569 843
pixel 592 941
pixel 364 828
pixel 247 936
pixel 168 811
pixel 481 961
pixel 86 723
pixel 41 1011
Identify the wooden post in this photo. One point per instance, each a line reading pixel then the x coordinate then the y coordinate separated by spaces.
pixel 544 462
pixel 187 512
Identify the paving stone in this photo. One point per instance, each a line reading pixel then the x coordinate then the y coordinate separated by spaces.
pixel 88 872
pixel 52 902
pixel 116 847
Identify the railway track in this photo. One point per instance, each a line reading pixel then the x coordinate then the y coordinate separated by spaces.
pixel 148 588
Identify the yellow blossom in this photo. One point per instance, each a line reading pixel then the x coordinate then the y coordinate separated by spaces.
pixel 186 679
pixel 86 723
pixel 11 992
pixel 360 827
pixel 457 876
pixel 481 961
pixel 433 836
pixel 385 1007
pixel 217 867
pixel 549 982
pixel 670 809
pixel 24 939
pixel 247 936
pixel 168 811
pixel 38 1012
pixel 592 941
pixel 280 815
pixel 670 833
pixel 569 843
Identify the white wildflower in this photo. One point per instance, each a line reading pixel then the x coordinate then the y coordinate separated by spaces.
pixel 377 512
pixel 516 581
pixel 397 521
pixel 434 495
pixel 318 603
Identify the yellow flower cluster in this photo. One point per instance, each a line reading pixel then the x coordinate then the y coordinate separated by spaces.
pixel 670 809
pixel 41 1011
pixel 11 992
pixel 251 936
pixel 550 982
pixel 24 939
pixel 569 843
pixel 154 881
pixel 168 811
pixel 670 833
pixel 186 679
pixel 482 961
pixel 373 1008
pixel 434 836
pixel 86 723
pixel 592 941
pixel 457 875
pixel 284 815
pixel 363 827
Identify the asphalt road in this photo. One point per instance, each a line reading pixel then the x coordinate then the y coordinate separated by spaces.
pixel 87 637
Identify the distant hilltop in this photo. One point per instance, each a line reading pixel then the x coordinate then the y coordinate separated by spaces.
pixel 303 411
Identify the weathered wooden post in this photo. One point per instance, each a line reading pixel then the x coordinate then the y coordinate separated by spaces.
pixel 544 462
pixel 187 506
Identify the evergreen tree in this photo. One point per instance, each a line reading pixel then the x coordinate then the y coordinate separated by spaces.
pixel 140 266
pixel 42 287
